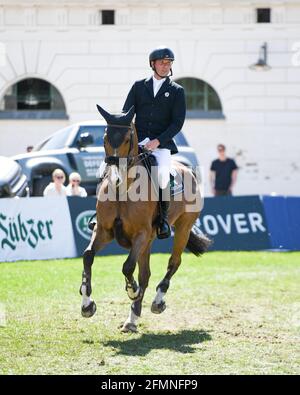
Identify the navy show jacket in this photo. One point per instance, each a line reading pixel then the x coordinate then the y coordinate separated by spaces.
pixel 160 117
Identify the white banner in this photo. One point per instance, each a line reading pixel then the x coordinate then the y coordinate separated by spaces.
pixel 35 228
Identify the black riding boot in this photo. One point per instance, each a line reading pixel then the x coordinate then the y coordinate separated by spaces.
pixel 163 228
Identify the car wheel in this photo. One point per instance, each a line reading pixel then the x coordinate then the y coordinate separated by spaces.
pixel 40 185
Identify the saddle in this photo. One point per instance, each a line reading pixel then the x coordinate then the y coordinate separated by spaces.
pixel 176 181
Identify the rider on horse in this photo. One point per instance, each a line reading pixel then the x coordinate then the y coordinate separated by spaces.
pixel 160 109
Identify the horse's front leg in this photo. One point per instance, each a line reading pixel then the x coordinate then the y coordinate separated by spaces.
pixel 99 239
pixel 88 306
pixel 130 324
pixel 139 243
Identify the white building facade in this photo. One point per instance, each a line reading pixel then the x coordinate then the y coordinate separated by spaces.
pixel 66 44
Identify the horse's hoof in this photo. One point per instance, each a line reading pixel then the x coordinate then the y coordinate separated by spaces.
pixel 158 308
pixel 129 327
pixel 88 311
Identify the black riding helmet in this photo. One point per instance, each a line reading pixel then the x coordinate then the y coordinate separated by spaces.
pixel 161 53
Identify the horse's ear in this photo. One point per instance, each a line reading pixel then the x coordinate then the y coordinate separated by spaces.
pixel 104 113
pixel 129 116
pixel 117 119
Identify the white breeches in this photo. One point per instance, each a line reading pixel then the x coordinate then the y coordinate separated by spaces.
pixel 163 157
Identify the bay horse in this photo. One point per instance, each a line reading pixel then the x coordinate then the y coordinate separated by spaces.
pixel 132 223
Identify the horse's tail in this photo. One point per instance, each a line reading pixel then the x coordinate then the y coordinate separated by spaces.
pixel 198 243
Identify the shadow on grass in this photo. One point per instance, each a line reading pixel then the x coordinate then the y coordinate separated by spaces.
pixel 180 342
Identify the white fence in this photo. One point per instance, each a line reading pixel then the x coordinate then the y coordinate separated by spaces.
pixel 35 228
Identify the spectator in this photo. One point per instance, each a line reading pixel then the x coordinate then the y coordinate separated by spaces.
pixel 56 188
pixel 73 189
pixel 223 173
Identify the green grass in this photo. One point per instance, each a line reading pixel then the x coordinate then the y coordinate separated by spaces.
pixel 228 313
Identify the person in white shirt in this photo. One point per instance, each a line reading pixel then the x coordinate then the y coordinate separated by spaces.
pixel 56 188
pixel 73 189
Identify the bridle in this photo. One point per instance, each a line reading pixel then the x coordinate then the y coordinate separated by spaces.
pixel 130 159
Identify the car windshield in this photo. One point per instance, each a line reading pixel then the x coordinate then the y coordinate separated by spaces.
pixel 56 141
pixel 96 131
pixel 180 140
pixel 60 138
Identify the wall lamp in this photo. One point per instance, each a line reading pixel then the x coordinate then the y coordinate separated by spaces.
pixel 261 64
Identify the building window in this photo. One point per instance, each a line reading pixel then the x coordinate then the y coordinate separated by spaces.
pixel 108 17
pixel 263 15
pixel 32 98
pixel 202 101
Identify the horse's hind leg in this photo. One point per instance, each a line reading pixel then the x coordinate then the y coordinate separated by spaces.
pixel 183 226
pixel 99 239
pixel 130 324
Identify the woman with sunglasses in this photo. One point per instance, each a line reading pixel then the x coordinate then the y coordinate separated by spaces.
pixel 73 189
pixel 56 188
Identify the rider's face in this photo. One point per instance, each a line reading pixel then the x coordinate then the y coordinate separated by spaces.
pixel 163 67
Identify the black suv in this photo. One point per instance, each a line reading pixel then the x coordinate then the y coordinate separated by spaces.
pixel 12 180
pixel 78 147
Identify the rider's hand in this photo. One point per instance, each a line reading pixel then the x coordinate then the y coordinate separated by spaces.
pixel 152 144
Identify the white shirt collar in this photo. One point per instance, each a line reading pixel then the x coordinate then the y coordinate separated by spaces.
pixel 161 81
pixel 157 84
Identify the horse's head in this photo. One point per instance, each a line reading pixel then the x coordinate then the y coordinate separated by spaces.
pixel 120 138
